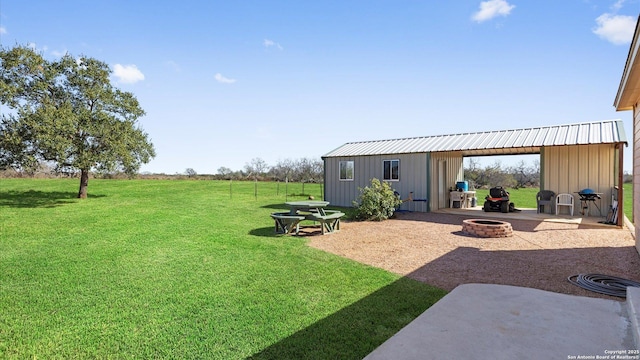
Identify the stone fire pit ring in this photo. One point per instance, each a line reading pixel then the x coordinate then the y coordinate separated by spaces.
pixel 487 228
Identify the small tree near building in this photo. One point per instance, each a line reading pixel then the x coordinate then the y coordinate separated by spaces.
pixel 376 202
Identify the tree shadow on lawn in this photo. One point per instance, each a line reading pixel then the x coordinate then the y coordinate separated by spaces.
pixel 38 199
pixel 264 232
pixel 356 330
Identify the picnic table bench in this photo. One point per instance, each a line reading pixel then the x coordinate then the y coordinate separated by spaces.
pixel 287 222
pixel 329 222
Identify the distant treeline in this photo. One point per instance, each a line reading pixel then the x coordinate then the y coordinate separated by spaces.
pixel 292 170
pixel 307 170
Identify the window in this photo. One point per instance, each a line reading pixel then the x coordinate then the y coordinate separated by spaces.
pixel 391 170
pixel 346 170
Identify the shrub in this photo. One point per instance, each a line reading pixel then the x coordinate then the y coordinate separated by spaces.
pixel 376 202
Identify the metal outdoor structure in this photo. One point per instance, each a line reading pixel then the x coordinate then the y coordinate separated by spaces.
pixel 572 157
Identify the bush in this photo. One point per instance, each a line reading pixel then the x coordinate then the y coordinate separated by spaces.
pixel 376 202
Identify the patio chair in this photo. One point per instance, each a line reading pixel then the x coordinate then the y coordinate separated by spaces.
pixel 544 198
pixel 564 200
pixel 456 196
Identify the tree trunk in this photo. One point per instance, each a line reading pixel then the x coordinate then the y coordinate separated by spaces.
pixel 84 182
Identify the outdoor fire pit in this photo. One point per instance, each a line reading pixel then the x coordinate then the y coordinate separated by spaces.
pixel 486 228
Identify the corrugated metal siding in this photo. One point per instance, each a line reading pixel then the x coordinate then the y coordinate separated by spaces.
pixel 454 171
pixel 527 140
pixel 564 168
pixel 413 178
pixel 569 169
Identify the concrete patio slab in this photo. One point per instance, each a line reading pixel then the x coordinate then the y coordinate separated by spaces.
pixel 486 321
pixel 529 214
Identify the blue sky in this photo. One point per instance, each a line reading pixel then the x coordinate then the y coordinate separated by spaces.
pixel 223 82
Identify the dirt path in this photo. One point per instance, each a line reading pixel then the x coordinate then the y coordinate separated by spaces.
pixel 430 247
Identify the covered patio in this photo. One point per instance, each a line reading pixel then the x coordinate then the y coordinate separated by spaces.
pixel 573 157
pixel 533 215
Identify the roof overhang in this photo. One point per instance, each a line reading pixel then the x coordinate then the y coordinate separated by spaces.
pixel 629 88
pixel 503 151
pixel 487 143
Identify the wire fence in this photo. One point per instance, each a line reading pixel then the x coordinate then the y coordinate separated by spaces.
pixel 284 189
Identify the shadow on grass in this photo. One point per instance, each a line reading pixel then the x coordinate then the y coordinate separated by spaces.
pixel 306 229
pixel 38 199
pixel 356 330
pixel 265 231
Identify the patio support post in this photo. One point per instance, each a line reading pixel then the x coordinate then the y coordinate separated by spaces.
pixel 620 219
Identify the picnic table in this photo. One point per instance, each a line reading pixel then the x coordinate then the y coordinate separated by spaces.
pixel 288 222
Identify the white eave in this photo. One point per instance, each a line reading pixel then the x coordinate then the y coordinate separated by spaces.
pixel 629 89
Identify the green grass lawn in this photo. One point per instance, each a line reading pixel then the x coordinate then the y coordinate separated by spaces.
pixel 627 189
pixel 526 198
pixel 182 269
pixel 522 198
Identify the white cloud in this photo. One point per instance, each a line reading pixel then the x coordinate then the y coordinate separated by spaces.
pixel 269 43
pixel 492 8
pixel 617 29
pixel 173 65
pixel 3 30
pixel 128 74
pixel 33 46
pixel 223 80
pixel 618 5
pixel 57 53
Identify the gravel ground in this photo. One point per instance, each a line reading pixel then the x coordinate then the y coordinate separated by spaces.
pixel 431 248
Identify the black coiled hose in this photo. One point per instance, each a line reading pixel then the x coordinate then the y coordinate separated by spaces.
pixel 603 284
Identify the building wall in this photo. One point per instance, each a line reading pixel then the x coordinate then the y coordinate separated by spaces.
pixel 636 173
pixel 415 178
pixel 451 164
pixel 565 169
pixel 569 169
pixel 412 178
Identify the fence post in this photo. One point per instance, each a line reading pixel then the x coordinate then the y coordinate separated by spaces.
pixel 230 189
pixel 286 188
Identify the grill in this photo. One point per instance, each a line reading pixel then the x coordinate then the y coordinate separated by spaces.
pixel 588 196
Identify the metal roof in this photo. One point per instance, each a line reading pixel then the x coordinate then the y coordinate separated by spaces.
pixel 502 142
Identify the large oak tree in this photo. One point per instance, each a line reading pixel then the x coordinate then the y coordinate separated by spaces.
pixel 66 112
